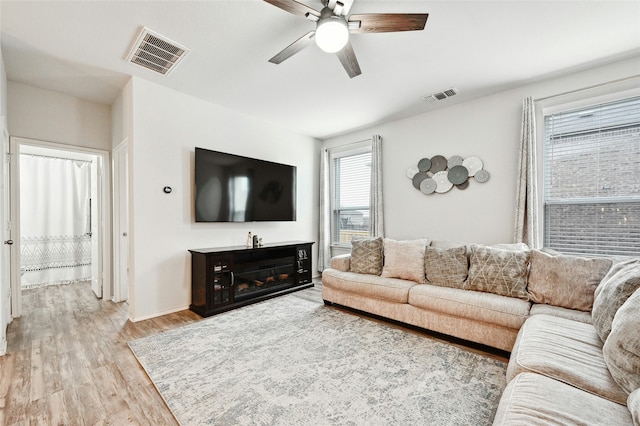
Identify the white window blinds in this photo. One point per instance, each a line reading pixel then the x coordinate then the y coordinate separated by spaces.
pixel 592 179
pixel 351 185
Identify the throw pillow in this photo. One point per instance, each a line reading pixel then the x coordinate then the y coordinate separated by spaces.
pixel 366 255
pixel 446 267
pixel 565 281
pixel 622 349
pixel 620 282
pixel 404 259
pixel 498 271
pixel 633 404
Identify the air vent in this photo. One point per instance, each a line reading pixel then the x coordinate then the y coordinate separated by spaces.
pixel 440 96
pixel 156 52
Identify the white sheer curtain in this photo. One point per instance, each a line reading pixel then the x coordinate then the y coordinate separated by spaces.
pixel 324 243
pixel 54 220
pixel 526 223
pixel 376 217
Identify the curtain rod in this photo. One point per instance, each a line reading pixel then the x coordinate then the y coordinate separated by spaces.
pixel 595 86
pixel 55 158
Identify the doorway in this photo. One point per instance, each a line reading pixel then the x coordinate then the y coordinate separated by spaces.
pixel 60 215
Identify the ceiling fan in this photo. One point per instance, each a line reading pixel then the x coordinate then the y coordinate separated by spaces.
pixel 333 29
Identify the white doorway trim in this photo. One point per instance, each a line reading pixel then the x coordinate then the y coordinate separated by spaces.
pixel 105 225
pixel 121 248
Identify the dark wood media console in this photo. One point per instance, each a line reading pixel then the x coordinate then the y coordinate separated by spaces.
pixel 225 278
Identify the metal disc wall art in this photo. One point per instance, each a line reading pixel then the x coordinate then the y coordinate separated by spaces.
pixel 439 174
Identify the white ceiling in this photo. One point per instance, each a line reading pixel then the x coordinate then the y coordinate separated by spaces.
pixel 479 47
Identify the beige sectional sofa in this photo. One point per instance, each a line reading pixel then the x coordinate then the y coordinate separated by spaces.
pixel 572 324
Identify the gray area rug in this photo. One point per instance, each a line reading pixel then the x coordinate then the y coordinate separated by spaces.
pixel 293 361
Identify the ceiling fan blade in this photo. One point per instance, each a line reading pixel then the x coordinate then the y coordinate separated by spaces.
pixel 294 7
pixel 388 22
pixel 293 48
pixel 349 61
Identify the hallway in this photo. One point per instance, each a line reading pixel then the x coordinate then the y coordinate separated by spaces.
pixel 68 362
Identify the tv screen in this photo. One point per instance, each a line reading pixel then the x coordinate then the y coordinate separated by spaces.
pixel 232 188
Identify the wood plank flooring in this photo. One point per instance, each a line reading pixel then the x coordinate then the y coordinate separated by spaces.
pixel 68 362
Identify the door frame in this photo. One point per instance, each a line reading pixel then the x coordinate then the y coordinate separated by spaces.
pixel 105 212
pixel 120 225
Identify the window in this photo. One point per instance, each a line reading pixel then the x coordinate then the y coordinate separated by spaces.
pixel 350 190
pixel 592 180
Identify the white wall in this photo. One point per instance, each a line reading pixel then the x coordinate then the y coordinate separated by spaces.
pixel 5 301
pixel 53 117
pixel 167 126
pixel 488 128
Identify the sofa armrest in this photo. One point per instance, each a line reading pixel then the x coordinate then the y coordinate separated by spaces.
pixel 341 262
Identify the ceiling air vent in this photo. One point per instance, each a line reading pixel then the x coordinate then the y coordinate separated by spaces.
pixel 440 96
pixel 156 52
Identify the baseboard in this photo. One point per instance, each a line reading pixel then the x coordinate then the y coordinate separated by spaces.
pixel 159 314
pixel 3 346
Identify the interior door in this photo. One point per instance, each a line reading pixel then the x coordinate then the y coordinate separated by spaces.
pixel 121 222
pixel 95 209
pixel 5 215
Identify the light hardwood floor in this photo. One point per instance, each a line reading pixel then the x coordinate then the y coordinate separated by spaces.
pixel 68 362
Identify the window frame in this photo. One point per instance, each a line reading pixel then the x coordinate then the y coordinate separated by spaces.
pixel 545 109
pixel 353 149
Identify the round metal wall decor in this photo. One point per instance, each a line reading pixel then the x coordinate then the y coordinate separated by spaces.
pixel 454 160
pixel 482 176
pixel 418 178
pixel 458 175
pixel 428 186
pixel 439 174
pixel 424 165
pixel 473 164
pixel 412 171
pixel 438 164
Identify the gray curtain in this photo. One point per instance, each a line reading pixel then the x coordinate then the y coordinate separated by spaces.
pixel 526 223
pixel 324 244
pixel 376 219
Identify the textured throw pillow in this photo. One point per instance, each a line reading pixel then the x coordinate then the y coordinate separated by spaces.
pixel 622 349
pixel 446 267
pixel 404 259
pixel 498 271
pixel 366 255
pixel 620 282
pixel 633 404
pixel 565 281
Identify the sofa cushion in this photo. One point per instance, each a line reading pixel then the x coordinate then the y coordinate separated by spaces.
pixel 484 307
pixel 620 282
pixel 404 259
pixel 341 262
pixel 446 267
pixel 566 281
pixel 557 311
pixel 564 350
pixel 498 271
pixel 622 348
pixel 390 289
pixel 633 404
pixel 446 244
pixel 454 244
pixel 532 399
pixel 366 255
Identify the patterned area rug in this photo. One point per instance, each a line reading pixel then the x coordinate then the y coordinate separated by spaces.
pixel 293 361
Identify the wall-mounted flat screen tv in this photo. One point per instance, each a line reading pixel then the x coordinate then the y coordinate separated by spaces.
pixel 232 188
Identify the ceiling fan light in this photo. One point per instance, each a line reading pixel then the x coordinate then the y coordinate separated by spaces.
pixel 332 34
